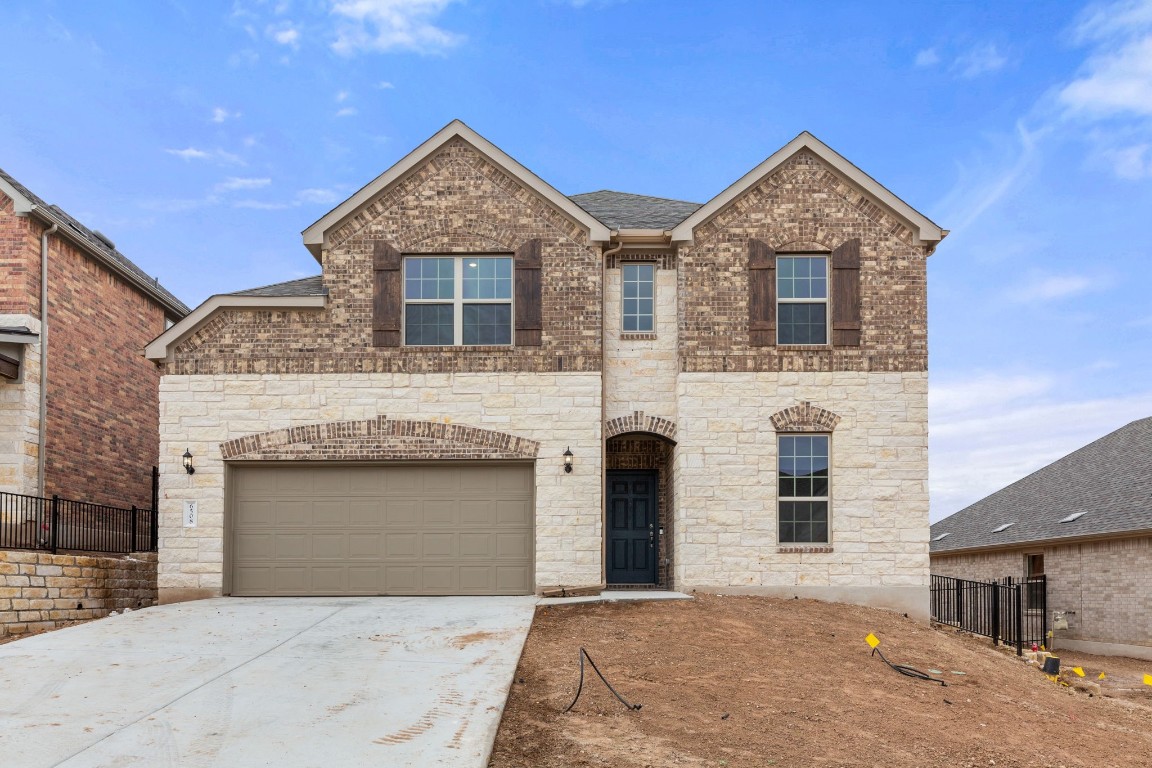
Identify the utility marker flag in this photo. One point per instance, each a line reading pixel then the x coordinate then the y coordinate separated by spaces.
pixel 874 641
pixel 1101 676
pixel 1078 670
pixel 1147 679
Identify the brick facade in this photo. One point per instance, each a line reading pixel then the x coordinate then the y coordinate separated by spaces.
pixel 102 438
pixel 1104 585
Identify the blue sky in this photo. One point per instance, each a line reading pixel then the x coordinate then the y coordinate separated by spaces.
pixel 204 136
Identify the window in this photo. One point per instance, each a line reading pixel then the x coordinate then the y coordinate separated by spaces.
pixel 457 300
pixel 638 283
pixel 802 303
pixel 803 492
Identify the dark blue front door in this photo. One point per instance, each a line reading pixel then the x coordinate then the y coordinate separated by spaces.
pixel 631 527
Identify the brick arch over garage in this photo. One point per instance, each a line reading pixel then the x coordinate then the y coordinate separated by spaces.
pixel 805 417
pixel 379 439
pixel 638 421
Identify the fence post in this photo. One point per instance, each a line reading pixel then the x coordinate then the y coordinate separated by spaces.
pixel 1019 620
pixel 1044 612
pixel 959 602
pixel 53 532
pixel 995 613
pixel 132 546
pixel 154 538
pixel 155 488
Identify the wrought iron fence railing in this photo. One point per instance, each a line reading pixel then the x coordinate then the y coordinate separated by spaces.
pixel 53 524
pixel 1013 612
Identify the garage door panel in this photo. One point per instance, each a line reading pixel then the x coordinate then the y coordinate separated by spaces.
pixel 424 529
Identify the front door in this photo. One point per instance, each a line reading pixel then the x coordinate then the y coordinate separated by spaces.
pixel 631 527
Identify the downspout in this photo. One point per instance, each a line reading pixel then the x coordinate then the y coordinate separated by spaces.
pixel 604 398
pixel 40 458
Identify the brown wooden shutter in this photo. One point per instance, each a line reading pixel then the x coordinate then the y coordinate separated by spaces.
pixel 528 288
pixel 761 294
pixel 846 294
pixel 387 299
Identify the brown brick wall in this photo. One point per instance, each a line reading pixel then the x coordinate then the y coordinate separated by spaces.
pixel 37 591
pixel 455 202
pixel 800 206
pixel 19 263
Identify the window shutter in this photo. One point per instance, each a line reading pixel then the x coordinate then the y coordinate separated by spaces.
pixel 528 288
pixel 846 294
pixel 761 294
pixel 387 300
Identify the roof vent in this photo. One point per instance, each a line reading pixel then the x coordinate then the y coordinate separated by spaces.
pixel 942 536
pixel 1074 516
pixel 104 239
pixel 1004 527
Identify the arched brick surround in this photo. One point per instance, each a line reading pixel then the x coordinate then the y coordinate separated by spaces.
pixel 378 439
pixel 805 417
pixel 638 422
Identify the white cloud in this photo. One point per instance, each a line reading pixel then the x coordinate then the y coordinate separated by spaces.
pixel 1131 162
pixel 285 34
pixel 980 60
pixel 927 58
pixel 342 96
pixel 389 25
pixel 346 112
pixel 234 183
pixel 218 156
pixel 1049 287
pixel 323 196
pixel 191 153
pixel 1117 78
pixel 384 85
pixel 312 196
pixel 220 115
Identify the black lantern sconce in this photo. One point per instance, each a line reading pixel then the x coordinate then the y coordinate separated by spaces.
pixel 188 462
pixel 567 459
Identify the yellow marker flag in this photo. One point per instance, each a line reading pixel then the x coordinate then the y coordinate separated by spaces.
pixel 874 641
pixel 1079 671
pixel 1147 679
pixel 1100 676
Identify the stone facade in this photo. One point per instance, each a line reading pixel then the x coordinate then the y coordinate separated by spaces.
pixel 38 591
pixel 20 414
pixel 1105 586
pixel 694 400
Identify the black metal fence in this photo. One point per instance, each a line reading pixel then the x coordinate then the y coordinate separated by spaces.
pixel 1011 612
pixel 33 522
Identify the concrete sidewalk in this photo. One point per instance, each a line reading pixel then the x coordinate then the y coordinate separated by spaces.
pixel 284 682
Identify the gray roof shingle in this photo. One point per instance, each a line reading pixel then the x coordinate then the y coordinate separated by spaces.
pixel 78 231
pixel 1109 480
pixel 306 286
pixel 621 210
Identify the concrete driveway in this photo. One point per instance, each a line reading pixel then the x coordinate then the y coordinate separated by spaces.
pixel 382 681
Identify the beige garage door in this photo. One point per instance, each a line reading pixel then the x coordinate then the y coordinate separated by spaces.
pixel 383 530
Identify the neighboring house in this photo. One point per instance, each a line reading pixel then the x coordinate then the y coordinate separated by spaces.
pixel 1085 523
pixel 739 390
pixel 98 439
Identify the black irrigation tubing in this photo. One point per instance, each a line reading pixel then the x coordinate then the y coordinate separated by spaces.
pixel 580 687
pixel 904 669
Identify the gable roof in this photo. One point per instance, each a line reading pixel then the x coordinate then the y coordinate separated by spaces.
pixel 621 210
pixel 315 235
pixel 1109 481
pixel 27 203
pixel 922 227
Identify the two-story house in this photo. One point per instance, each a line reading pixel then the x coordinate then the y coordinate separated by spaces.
pixel 492 388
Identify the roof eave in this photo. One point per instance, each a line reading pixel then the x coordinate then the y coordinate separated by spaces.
pixel 926 232
pixel 1051 541
pixel 160 348
pixel 315 236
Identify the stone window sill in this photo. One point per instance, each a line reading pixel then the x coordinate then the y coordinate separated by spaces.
pixel 638 336
pixel 803 549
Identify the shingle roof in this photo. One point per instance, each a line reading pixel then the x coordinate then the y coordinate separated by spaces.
pixel 621 210
pixel 307 286
pixel 1110 481
pixel 78 231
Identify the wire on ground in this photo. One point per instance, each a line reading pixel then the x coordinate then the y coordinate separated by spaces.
pixel 580 687
pixel 904 669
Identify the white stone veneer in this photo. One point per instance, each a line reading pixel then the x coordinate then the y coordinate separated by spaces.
pixel 725 523
pixel 640 374
pixel 558 410
pixel 20 416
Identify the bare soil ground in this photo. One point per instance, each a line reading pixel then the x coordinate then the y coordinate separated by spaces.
pixel 748 681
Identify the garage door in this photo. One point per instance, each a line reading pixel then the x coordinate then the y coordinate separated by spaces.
pixel 383 530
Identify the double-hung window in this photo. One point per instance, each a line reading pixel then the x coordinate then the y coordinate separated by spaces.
pixel 457 300
pixel 802 299
pixel 802 474
pixel 638 283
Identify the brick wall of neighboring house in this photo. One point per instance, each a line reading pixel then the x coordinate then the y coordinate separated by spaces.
pixel 1105 585
pixel 38 591
pixel 19 262
pixel 456 201
pixel 803 206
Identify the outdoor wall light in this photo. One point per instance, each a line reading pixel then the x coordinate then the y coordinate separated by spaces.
pixel 567 459
pixel 188 462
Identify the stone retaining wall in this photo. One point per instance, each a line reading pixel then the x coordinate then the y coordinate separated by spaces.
pixel 37 591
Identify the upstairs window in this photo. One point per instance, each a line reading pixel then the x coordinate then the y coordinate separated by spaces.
pixel 638 282
pixel 802 298
pixel 802 474
pixel 457 300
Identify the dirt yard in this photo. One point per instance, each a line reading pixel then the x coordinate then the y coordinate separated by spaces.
pixel 741 681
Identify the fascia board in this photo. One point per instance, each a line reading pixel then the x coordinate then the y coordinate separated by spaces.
pixel 19 338
pixel 314 236
pixel 21 205
pixel 158 348
pixel 927 231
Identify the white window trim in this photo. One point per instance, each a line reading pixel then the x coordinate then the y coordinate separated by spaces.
pixel 826 301
pixel 623 314
pixel 457 301
pixel 827 498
